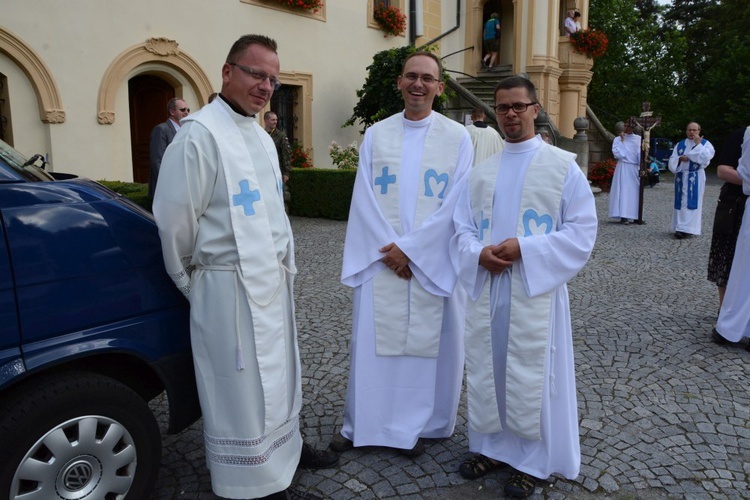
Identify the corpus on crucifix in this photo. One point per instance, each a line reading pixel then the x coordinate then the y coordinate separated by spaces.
pixel 646 121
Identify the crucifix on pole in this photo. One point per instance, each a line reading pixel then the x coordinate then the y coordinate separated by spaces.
pixel 647 121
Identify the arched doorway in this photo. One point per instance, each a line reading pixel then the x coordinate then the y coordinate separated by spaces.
pixel 148 96
pixel 6 129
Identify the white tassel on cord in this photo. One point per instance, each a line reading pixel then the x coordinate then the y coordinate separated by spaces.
pixel 240 358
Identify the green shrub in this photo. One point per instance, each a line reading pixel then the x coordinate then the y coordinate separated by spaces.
pixel 136 192
pixel 315 192
pixel 321 192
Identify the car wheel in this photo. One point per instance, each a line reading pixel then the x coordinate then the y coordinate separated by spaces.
pixel 77 436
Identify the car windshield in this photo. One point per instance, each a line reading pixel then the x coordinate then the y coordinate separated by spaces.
pixel 17 162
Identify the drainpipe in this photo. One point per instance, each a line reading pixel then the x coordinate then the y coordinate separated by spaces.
pixel 413 11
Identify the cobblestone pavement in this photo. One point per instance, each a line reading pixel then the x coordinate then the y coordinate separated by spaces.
pixel 664 412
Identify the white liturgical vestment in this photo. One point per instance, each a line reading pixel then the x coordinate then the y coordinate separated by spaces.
pixel 228 246
pixel 486 141
pixel 734 317
pixel 625 191
pixel 689 183
pixel 519 347
pixel 407 335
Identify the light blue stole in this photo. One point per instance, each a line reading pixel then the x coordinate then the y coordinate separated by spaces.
pixel 529 323
pixel 408 318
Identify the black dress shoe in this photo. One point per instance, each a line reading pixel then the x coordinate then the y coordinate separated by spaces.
pixel 717 338
pixel 413 452
pixel 340 443
pixel 292 494
pixel 314 459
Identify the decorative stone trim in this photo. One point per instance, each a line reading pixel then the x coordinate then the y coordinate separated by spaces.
pixel 42 81
pixel 159 50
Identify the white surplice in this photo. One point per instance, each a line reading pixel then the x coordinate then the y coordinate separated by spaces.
pixel 625 191
pixel 392 400
pixel 486 140
pixel 734 316
pixel 548 262
pixel 687 219
pixel 228 246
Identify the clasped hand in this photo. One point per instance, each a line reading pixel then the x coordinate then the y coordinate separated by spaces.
pixel 396 261
pixel 498 258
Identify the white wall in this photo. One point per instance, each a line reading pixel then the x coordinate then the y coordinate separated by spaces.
pixel 78 39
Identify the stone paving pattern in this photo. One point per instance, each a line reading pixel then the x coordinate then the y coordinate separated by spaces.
pixel 664 412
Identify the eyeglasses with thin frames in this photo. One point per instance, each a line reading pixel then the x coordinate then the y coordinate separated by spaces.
pixel 517 107
pixel 259 75
pixel 184 109
pixel 427 79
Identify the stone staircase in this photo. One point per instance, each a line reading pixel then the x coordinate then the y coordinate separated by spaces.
pixel 482 87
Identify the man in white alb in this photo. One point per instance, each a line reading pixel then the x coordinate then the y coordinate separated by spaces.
pixel 688 163
pixel 486 140
pixel 625 190
pixel 228 246
pixel 525 225
pixel 407 332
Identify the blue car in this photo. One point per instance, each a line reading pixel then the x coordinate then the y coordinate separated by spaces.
pixel 91 330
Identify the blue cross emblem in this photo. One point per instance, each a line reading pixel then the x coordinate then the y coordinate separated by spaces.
pixel 384 180
pixel 246 198
pixel 483 224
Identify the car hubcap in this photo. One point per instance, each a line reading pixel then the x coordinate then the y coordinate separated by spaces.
pixel 86 457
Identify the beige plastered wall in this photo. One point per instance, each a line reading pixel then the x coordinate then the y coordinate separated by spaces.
pixel 90 50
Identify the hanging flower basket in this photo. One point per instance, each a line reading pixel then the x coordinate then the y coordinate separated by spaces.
pixel 390 19
pixel 309 5
pixel 589 42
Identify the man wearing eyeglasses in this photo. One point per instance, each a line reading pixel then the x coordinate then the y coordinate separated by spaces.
pixel 407 334
pixel 688 163
pixel 525 225
pixel 228 246
pixel 161 136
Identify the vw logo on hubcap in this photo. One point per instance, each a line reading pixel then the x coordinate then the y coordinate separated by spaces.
pixel 77 476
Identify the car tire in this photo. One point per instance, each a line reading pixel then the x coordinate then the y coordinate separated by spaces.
pixel 78 435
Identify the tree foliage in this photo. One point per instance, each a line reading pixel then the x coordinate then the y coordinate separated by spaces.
pixel 691 60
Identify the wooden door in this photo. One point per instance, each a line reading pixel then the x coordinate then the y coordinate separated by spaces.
pixel 148 97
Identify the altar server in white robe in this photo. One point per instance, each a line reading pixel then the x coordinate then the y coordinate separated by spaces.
pixel 734 317
pixel 525 225
pixel 228 246
pixel 407 332
pixel 688 163
pixel 485 139
pixel 624 194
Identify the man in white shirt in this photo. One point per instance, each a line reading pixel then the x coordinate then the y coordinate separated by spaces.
pixel 569 27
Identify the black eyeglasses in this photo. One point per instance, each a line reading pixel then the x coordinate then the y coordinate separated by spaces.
pixel 427 79
pixel 259 75
pixel 517 107
pixel 184 109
